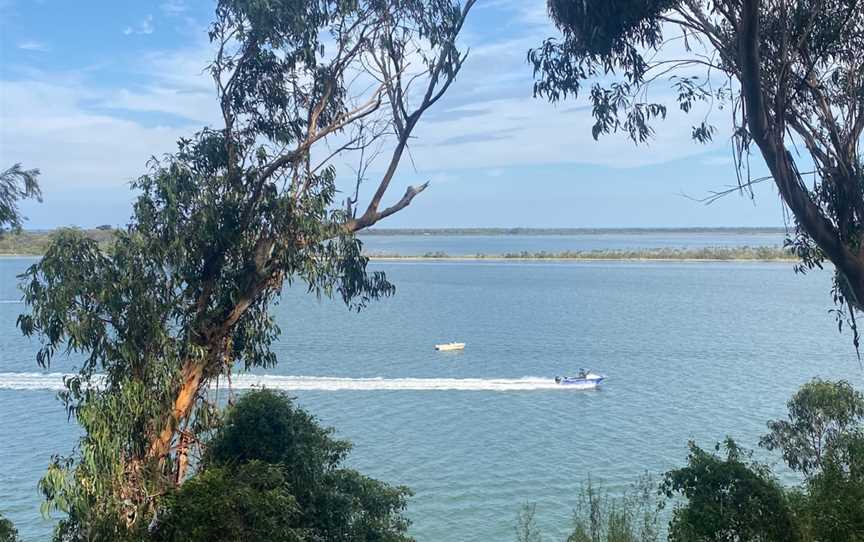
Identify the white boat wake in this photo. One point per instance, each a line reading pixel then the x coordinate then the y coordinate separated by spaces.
pixel 54 381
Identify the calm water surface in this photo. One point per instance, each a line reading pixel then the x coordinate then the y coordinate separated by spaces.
pixel 692 350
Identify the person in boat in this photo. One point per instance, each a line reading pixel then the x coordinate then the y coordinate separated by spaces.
pixel 582 374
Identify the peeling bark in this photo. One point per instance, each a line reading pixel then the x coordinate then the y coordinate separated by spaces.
pixel 192 374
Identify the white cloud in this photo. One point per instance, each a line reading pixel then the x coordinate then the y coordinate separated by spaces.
pixel 173 7
pixel 178 84
pixel 143 27
pixel 44 125
pixel 82 134
pixel 32 45
pixel 525 131
pixel 195 106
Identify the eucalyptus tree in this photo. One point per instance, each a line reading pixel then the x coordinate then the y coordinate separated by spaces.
pixel 240 210
pixel 789 77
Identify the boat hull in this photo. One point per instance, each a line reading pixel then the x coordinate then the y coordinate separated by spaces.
pixel 449 347
pixel 580 383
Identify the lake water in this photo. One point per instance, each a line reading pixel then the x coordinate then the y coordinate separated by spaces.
pixel 692 351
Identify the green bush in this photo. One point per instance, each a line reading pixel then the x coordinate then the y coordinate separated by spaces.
pixel 728 498
pixel 252 502
pixel 8 533
pixel 833 505
pixel 273 473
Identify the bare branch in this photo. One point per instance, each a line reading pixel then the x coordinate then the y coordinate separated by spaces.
pixel 367 220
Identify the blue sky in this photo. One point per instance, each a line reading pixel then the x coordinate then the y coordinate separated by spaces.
pixel 90 90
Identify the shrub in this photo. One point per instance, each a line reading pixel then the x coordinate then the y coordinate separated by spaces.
pixel 728 498
pixel 630 518
pixel 8 533
pixel 273 473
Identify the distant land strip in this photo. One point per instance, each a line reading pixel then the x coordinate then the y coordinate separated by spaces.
pixel 744 253
pixel 35 243
pixel 570 231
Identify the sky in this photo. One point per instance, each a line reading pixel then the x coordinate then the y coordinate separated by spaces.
pixel 89 91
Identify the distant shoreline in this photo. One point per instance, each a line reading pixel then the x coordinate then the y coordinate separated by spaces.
pixel 497 259
pixel 501 259
pixel 711 254
pixel 567 231
pixel 34 244
pixel 733 230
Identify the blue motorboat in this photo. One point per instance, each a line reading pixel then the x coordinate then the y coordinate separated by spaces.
pixel 584 379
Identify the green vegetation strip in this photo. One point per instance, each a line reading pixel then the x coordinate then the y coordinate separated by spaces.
pixel 568 231
pixel 34 243
pixel 659 254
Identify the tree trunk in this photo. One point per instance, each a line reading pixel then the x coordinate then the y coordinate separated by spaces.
pixel 768 132
pixel 191 373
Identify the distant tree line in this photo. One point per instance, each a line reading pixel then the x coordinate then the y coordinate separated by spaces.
pixel 37 243
pixel 568 231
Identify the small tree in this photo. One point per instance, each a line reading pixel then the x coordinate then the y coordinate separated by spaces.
pixel 728 498
pixel 823 438
pixel 181 297
pixel 273 473
pixel 789 74
pixel 822 415
pixel 834 505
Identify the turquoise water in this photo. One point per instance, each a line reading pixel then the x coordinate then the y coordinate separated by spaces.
pixel 692 350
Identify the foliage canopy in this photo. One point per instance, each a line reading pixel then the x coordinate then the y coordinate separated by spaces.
pixel 293 487
pixel 16 184
pixel 251 502
pixel 822 414
pixel 728 498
